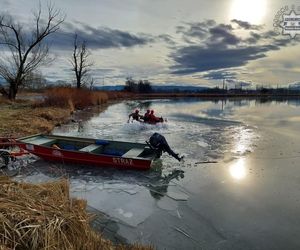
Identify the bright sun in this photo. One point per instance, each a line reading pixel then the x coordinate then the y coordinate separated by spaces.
pixel 252 11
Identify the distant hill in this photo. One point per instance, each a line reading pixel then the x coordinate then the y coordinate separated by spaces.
pixel 109 87
pixel 156 88
pixel 178 88
pixel 295 86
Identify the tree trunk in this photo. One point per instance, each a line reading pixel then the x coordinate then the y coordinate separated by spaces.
pixel 13 89
pixel 4 92
pixel 78 82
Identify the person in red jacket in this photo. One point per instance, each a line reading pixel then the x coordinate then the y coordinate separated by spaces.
pixel 146 116
pixel 153 118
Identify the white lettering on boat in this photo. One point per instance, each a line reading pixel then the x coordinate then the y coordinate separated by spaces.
pixel 122 161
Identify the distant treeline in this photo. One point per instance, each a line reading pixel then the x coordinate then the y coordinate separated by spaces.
pixel 257 91
pixel 141 86
pixel 144 86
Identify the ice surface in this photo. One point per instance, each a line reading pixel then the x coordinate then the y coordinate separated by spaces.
pixel 130 209
pixel 178 196
pixel 192 196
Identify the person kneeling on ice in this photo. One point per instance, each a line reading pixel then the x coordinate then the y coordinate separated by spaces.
pixel 159 142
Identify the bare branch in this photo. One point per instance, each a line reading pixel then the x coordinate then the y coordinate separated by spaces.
pixel 80 62
pixel 26 56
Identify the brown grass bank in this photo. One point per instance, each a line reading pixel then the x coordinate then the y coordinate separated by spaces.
pixel 31 116
pixel 21 119
pixel 43 216
pixel 80 98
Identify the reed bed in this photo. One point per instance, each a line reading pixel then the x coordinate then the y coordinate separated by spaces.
pixel 43 216
pixel 74 98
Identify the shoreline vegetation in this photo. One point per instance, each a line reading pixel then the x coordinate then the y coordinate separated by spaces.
pixel 44 216
pixel 36 216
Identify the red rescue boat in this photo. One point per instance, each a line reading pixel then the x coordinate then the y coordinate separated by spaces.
pixel 86 151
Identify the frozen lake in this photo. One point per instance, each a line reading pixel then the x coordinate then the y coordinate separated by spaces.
pixel 238 187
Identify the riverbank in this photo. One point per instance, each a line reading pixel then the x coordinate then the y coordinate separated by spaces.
pixel 44 216
pixel 34 113
pixel 21 119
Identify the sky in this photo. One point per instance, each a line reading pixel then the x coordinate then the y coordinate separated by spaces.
pixel 190 42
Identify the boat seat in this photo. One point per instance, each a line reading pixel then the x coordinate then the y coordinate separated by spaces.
pixel 90 148
pixel 134 152
pixel 42 140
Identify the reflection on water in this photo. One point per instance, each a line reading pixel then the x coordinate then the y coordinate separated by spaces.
pixel 238 169
pixel 243 140
pixel 160 188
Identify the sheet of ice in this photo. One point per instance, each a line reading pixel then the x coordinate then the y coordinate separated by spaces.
pixel 130 209
pixel 166 203
pixel 178 196
pixel 35 178
pixel 203 144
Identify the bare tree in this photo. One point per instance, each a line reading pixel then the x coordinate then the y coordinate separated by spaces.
pixel 92 82
pixel 80 62
pixel 35 81
pixel 24 49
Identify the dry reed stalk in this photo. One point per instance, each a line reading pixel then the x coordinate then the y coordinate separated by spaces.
pixel 43 216
pixel 73 98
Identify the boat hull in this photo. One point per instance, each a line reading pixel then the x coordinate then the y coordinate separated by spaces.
pixel 50 153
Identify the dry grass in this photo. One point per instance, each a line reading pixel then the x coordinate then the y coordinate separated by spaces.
pixel 18 120
pixel 4 100
pixel 43 216
pixel 74 98
pixel 23 117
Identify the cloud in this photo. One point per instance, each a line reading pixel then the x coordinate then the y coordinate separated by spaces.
pixel 5 3
pixel 167 39
pixel 208 31
pixel 194 59
pixel 219 74
pixel 197 30
pixel 230 78
pixel 96 38
pixel 246 25
pixel 101 73
pixel 219 47
pixel 253 38
pixel 236 83
pixel 223 33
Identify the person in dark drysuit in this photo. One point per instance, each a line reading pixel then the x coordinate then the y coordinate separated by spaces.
pixel 135 115
pixel 159 142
